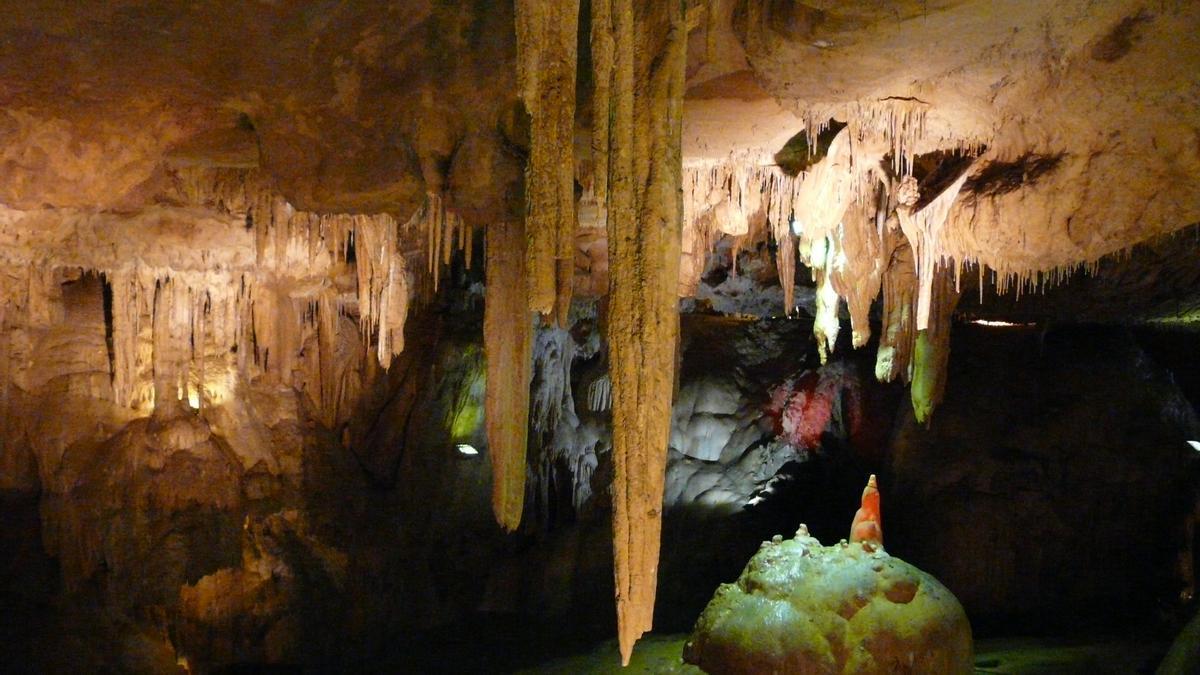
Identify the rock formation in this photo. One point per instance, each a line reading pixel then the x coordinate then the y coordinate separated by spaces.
pixel 800 607
pixel 234 233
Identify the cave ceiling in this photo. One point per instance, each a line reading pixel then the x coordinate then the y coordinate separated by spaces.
pixel 355 108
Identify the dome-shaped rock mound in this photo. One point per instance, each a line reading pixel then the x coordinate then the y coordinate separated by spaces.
pixel 800 607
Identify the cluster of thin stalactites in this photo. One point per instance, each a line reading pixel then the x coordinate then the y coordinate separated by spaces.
pixel 259 286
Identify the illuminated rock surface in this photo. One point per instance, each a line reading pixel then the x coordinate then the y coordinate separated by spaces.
pixel 800 607
pixel 253 256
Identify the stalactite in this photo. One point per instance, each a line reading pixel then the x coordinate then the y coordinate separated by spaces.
pixel 508 335
pixel 273 319
pixel 600 394
pixel 924 230
pixel 899 291
pixel 43 297
pixel 931 353
pixel 444 230
pixel 785 261
pixel 546 62
pixel 736 198
pixel 857 267
pixel 644 227
pixel 5 375
pixel 383 284
pixel 126 320
pixel 328 316
pixel 821 257
pixel 171 337
pixel 602 62
pixel 553 352
pixel 826 192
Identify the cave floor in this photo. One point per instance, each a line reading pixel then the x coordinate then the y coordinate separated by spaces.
pixel 1028 656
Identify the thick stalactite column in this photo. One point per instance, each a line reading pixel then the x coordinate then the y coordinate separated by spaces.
pixel 547 35
pixel 645 212
pixel 171 321
pixel 931 352
pixel 899 298
pixel 507 333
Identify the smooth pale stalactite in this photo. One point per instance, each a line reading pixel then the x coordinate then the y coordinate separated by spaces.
pixel 507 334
pixel 826 323
pixel 547 56
pixel 924 231
pixel 826 192
pixel 644 223
pixel 383 284
pixel 600 394
pixel 857 268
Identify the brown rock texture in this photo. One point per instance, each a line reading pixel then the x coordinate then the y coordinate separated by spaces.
pixel 507 334
pixel 546 61
pixel 644 220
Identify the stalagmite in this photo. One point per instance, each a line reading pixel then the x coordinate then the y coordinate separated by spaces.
pixel 931 353
pixel 507 333
pixel 547 54
pixel 868 521
pixel 644 229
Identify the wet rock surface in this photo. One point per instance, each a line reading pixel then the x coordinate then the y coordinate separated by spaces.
pixel 800 607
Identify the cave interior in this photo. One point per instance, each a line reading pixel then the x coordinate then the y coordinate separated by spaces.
pixel 459 336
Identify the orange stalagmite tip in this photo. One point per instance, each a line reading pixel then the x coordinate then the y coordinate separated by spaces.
pixel 868 524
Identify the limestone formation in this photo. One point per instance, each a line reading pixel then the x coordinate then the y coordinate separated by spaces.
pixel 242 230
pixel 644 219
pixel 800 607
pixel 508 343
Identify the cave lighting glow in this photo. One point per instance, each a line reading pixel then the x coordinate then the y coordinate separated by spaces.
pixel 1000 324
pixel 465 449
pixel 1195 445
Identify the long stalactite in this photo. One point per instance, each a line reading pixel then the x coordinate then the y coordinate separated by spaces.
pixel 931 350
pixel 507 333
pixel 645 213
pixel 547 54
